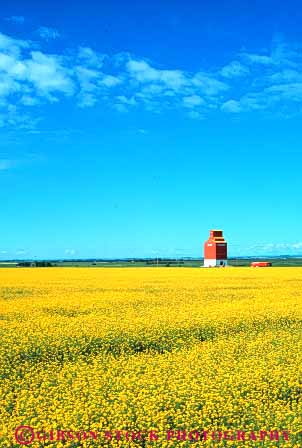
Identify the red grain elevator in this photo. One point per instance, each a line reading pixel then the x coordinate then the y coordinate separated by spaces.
pixel 215 250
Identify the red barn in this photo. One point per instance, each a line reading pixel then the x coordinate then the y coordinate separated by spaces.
pixel 261 264
pixel 215 250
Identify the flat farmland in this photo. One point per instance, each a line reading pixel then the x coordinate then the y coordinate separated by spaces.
pixel 195 356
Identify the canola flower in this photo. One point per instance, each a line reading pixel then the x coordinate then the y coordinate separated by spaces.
pixel 151 349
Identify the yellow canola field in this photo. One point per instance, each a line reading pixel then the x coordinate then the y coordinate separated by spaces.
pixel 90 350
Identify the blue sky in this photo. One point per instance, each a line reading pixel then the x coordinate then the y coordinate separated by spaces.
pixel 130 129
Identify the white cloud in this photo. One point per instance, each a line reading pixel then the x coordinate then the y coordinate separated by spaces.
pixel 193 100
pixel 48 33
pixel 281 247
pixel 8 86
pixel 28 100
pixel 26 75
pixel 297 245
pixel 174 79
pixel 87 78
pixel 256 101
pixel 109 81
pixel 87 100
pixel 208 84
pixel 124 100
pixel 260 59
pixel 286 76
pixel 155 89
pixel 158 88
pixel 143 72
pixel 48 74
pixel 29 76
pixel 234 69
pixel 291 91
pixel 232 106
pixel 91 82
pixel 90 58
pixel 13 116
pixel 247 103
pixel 9 45
pixel 10 65
pixel 281 55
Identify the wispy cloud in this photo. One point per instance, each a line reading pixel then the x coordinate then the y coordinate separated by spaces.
pixel 48 33
pixel 193 101
pixel 286 248
pixel 12 46
pixel 27 76
pixel 232 106
pixel 234 69
pixel 159 88
pixel 250 82
pixel 257 59
pixel 47 74
pixel 143 72
pixel 22 252
pixel 90 58
pixel 70 252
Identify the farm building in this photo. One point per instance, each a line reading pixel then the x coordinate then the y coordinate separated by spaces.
pixel 215 250
pixel 261 264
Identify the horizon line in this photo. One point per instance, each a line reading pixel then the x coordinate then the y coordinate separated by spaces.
pixel 143 258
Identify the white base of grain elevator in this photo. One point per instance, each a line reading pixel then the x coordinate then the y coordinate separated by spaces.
pixel 208 263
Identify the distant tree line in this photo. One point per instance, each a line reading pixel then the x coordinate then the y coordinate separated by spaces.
pixel 166 262
pixel 35 264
